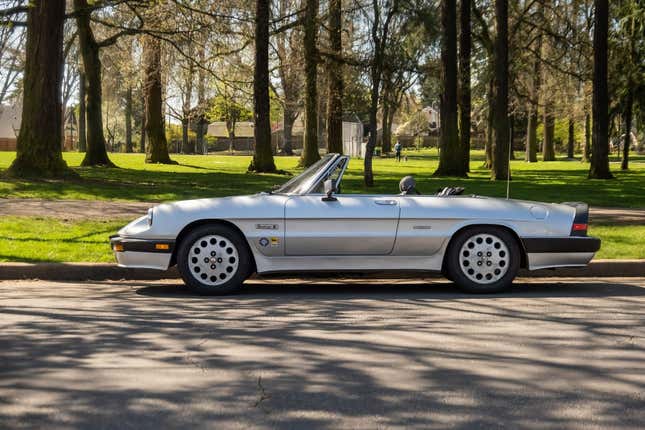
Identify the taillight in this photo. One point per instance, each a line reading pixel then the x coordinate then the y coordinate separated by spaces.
pixel 579 227
pixel 580 219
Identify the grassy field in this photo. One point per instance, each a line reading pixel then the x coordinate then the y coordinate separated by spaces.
pixel 222 175
pixel 26 239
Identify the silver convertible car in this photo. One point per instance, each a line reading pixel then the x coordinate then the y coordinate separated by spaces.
pixel 308 225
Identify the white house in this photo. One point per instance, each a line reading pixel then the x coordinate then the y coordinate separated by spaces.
pixel 10 117
pixel 242 129
pixel 353 136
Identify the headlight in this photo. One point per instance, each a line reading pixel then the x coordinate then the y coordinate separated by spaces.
pixel 150 215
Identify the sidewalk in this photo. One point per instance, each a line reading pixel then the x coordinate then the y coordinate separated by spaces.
pixel 110 210
pixel 108 271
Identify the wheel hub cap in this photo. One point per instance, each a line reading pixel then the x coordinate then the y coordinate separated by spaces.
pixel 213 260
pixel 484 258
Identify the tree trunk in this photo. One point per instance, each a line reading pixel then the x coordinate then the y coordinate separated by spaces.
pixel 536 82
pixel 531 134
pixel 587 146
pixel 450 154
pixel 571 139
pixel 624 165
pixel 287 130
pixel 96 154
pixel 368 173
pixel 464 79
pixel 310 152
pixel 263 155
pixel 202 125
pixel 128 119
pixel 599 168
pixel 488 146
pixel 142 137
pixel 39 141
pixel 335 80
pixel 386 130
pixel 82 113
pixel 390 119
pixel 548 147
pixel 157 151
pixel 500 106
pixel 511 134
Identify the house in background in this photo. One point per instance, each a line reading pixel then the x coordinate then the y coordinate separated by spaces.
pixel 9 126
pixel 243 140
pixel 353 144
pixel 352 135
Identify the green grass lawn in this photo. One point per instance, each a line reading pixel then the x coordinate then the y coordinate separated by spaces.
pixel 28 239
pixel 221 175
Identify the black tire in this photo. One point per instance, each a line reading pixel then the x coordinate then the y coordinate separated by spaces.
pixel 474 273
pixel 230 261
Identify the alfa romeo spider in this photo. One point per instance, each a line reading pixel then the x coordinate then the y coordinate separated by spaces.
pixel 309 225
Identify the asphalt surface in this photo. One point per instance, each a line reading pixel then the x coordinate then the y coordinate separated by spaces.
pixel 322 354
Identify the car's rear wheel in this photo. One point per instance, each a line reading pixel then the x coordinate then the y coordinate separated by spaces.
pixel 214 259
pixel 483 259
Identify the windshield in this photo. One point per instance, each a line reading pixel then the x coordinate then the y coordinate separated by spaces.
pixel 295 184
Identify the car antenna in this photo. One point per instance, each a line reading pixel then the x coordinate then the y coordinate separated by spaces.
pixel 508 172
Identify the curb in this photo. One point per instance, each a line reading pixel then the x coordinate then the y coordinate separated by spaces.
pixel 108 271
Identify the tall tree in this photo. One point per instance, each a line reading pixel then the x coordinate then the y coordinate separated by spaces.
pixel 335 79
pixel 464 81
pixel 39 141
pixel 586 155
pixel 96 154
pixel 629 104
pixel 263 155
pixel 599 167
pixel 201 122
pixel 157 150
pixel 500 107
pixel 571 139
pixel 310 152
pixel 128 118
pixel 450 155
pixel 534 93
pixel 380 27
pixel 82 112
pixel 548 146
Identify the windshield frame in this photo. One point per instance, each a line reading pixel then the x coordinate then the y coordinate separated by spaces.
pixel 311 177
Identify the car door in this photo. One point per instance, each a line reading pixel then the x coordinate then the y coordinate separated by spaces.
pixel 348 225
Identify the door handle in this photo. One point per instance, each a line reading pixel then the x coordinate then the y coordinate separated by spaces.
pixel 385 202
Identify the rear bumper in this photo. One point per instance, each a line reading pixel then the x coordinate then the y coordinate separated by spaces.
pixel 142 253
pixel 561 244
pixel 571 251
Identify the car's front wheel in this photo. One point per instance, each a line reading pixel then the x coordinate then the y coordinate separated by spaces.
pixel 214 259
pixel 483 259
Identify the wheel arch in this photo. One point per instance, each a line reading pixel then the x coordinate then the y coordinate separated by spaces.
pixel 520 244
pixel 198 223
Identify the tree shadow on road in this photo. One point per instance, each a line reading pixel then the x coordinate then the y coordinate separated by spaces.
pixel 323 355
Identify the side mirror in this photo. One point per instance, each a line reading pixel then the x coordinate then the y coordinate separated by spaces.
pixel 330 189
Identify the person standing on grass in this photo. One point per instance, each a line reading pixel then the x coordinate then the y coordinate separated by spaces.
pixel 397 150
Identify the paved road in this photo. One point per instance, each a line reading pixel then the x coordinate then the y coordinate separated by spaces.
pixel 553 353
pixel 110 210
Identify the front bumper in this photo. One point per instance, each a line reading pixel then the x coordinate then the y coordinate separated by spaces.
pixel 142 253
pixel 573 251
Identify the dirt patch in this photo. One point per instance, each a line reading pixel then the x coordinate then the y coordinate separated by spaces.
pixel 106 210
